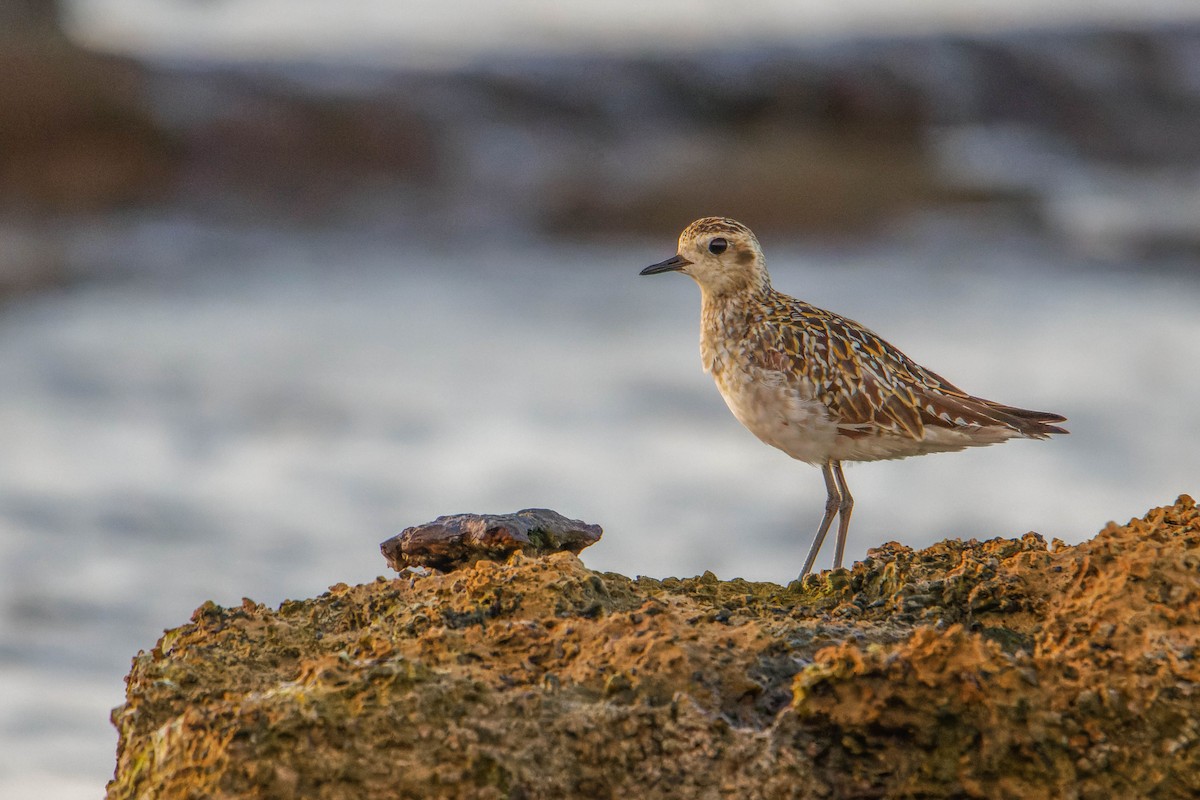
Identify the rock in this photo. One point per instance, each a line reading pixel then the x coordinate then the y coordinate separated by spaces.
pixel 261 145
pixel 460 540
pixel 968 669
pixel 76 135
pixel 20 19
pixel 76 139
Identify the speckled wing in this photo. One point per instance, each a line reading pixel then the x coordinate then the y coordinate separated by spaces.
pixel 871 388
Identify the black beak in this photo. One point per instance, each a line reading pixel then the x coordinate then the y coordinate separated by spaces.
pixel 672 264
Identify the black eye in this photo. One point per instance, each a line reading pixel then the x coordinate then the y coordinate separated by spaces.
pixel 717 246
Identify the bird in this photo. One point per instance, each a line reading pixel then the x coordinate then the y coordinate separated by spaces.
pixel 819 386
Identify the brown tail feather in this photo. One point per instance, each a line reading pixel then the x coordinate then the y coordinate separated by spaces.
pixel 1030 423
pixel 950 410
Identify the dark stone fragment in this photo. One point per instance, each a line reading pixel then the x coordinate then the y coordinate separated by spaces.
pixel 460 540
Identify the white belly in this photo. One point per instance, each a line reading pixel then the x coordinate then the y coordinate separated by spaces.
pixel 779 414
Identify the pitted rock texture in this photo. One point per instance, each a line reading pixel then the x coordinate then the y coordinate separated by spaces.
pixel 999 669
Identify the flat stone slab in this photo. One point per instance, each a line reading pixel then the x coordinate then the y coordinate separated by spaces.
pixel 460 540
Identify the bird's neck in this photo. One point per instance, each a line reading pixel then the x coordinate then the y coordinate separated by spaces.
pixel 727 318
pixel 734 301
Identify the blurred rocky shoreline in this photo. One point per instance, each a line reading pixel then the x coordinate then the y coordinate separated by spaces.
pixel 969 669
pixel 1084 135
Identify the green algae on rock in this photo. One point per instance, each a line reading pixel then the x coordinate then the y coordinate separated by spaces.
pixel 993 669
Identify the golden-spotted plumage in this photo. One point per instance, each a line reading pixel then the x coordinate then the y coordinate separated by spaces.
pixel 818 386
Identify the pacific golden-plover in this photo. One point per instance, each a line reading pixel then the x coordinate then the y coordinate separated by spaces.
pixel 818 386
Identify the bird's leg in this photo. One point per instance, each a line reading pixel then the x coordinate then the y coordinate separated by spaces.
pixel 832 503
pixel 844 509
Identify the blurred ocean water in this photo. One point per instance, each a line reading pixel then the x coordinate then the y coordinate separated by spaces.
pixel 255 424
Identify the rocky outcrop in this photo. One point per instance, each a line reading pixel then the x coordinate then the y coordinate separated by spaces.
pixel 77 138
pixel 970 669
pixel 77 135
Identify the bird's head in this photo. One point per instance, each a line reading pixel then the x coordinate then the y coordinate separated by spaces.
pixel 720 254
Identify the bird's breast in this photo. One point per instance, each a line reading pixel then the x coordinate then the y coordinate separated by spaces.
pixel 780 410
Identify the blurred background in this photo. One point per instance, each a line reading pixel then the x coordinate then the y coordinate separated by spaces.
pixel 279 278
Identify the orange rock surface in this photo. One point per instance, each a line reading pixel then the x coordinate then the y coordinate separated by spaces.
pixel 993 669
